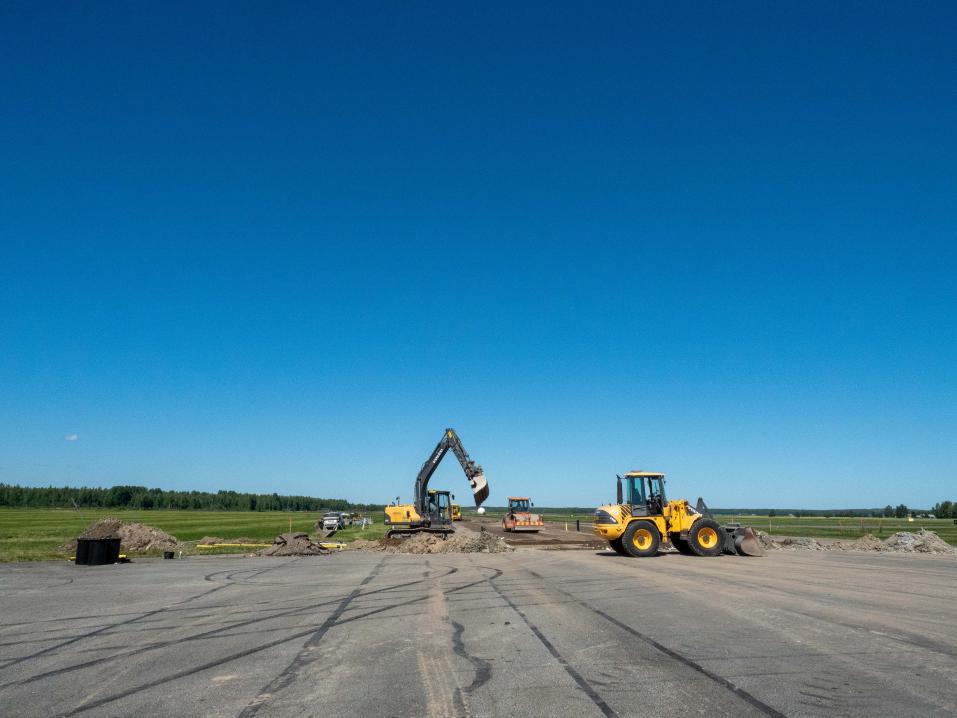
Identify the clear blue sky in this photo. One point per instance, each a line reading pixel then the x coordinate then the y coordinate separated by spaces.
pixel 281 246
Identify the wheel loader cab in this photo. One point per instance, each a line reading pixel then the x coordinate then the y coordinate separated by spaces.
pixel 643 492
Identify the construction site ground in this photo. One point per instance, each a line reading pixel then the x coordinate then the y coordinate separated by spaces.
pixel 553 536
pixel 530 633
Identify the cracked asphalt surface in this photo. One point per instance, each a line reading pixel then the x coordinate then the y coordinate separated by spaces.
pixel 531 633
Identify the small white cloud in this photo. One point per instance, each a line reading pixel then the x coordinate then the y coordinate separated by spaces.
pixel 71 437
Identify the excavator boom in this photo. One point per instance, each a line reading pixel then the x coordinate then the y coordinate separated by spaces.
pixel 473 472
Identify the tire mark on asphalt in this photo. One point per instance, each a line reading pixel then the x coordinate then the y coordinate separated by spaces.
pixel 483 670
pixel 900 635
pixel 298 610
pixel 720 680
pixel 579 679
pixel 307 654
pixel 196 669
pixel 120 624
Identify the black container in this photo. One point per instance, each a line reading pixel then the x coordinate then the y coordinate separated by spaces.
pixel 82 551
pixel 167 554
pixel 97 552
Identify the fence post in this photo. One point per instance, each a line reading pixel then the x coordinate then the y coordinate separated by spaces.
pixel 577 525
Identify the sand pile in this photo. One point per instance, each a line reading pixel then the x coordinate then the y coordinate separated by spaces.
pixel 462 541
pixel 921 541
pixel 293 544
pixel 133 536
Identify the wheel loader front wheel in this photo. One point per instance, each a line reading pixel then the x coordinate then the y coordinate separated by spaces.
pixel 705 538
pixel 618 547
pixel 641 539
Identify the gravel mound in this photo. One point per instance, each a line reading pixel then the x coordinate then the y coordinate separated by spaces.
pixel 462 541
pixel 133 536
pixel 867 542
pixel 921 541
pixel 293 544
pixel 802 543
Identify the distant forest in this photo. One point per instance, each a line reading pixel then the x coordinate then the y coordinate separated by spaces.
pixel 140 497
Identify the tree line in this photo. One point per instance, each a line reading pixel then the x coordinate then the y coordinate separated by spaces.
pixel 945 510
pixel 140 497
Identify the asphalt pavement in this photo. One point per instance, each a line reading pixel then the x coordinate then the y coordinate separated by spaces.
pixel 530 633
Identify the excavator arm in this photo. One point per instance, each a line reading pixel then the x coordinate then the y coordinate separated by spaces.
pixel 473 472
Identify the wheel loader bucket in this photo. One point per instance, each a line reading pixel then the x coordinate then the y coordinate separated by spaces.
pixel 746 542
pixel 742 540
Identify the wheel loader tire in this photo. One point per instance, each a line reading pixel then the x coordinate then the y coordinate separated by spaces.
pixel 641 539
pixel 617 545
pixel 705 538
pixel 682 546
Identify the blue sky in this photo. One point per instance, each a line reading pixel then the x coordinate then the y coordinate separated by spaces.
pixel 281 246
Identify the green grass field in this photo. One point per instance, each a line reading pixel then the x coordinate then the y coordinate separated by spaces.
pixel 34 534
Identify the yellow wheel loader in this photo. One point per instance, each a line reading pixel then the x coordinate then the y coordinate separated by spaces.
pixel 643 520
pixel 432 511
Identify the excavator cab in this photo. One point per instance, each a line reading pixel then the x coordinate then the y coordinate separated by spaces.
pixel 439 509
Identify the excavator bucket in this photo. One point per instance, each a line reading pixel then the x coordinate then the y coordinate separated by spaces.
pixel 479 488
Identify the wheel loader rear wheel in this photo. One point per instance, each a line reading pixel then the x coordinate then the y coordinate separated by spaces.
pixel 617 545
pixel 641 539
pixel 705 538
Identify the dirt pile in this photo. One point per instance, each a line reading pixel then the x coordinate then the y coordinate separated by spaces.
pixel 921 541
pixel 462 541
pixel 293 544
pixel 133 536
pixel 103 529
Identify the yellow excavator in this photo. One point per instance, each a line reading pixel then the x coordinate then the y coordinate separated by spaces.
pixel 431 510
pixel 643 519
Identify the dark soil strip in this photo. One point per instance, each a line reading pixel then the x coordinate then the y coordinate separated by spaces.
pixel 740 692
